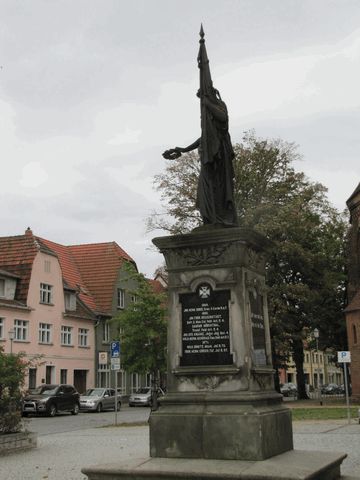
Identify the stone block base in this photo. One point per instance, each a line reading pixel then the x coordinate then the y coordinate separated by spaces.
pixel 17 442
pixel 227 431
pixel 294 465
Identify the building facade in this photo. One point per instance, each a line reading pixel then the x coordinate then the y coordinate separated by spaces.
pixel 352 310
pixel 41 317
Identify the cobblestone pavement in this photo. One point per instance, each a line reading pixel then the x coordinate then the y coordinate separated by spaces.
pixel 62 455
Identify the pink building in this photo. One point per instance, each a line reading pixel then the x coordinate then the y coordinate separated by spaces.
pixel 46 310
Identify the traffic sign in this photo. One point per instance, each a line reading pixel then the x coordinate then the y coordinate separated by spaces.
pixel 115 349
pixel 344 357
pixel 115 363
pixel 103 358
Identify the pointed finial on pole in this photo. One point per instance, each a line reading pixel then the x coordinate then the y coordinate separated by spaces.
pixel 202 35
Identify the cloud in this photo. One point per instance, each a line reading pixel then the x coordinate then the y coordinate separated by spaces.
pixel 33 175
pixel 127 136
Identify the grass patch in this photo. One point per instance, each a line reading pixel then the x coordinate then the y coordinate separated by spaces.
pixel 323 413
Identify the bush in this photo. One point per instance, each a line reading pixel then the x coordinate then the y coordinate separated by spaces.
pixel 13 369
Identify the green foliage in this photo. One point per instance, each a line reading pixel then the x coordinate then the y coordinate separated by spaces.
pixel 143 328
pixel 322 413
pixel 13 368
pixel 305 271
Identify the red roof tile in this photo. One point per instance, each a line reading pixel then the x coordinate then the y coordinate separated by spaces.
pixel 157 286
pixel 17 254
pixel 89 269
pixel 99 265
pixel 354 304
pixel 71 274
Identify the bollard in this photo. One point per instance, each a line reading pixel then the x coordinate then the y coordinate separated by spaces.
pixel 359 415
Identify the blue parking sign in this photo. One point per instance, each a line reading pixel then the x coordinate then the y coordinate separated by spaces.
pixel 115 349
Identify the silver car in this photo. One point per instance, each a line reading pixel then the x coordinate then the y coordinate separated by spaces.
pixel 99 399
pixel 142 397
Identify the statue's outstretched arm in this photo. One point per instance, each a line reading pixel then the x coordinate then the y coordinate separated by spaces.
pixel 177 151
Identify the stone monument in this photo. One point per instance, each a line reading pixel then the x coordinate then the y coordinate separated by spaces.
pixel 221 416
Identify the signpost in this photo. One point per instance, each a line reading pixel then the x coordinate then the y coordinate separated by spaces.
pixel 344 358
pixel 115 365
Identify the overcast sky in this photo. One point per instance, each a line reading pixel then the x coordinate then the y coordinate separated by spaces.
pixel 92 92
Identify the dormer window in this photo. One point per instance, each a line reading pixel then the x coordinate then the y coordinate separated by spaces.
pixel 70 301
pixel 7 285
pixel 45 293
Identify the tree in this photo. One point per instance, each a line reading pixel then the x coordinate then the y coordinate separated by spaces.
pixel 305 271
pixel 13 369
pixel 142 327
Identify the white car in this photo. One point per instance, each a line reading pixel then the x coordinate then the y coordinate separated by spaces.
pixel 99 399
pixel 142 397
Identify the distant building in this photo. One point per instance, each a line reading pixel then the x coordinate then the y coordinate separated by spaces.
pixel 59 301
pixel 352 310
pixel 43 313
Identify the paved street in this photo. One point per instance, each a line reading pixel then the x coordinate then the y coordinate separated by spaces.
pixel 68 443
pixel 68 423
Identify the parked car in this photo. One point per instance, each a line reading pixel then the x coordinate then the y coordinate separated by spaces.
pixel 142 397
pixel 332 389
pixel 99 399
pixel 289 390
pixel 49 399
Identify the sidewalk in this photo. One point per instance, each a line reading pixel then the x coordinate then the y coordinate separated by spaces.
pixel 61 456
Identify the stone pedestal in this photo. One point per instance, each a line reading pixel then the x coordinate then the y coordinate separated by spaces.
pixel 221 402
pixel 221 417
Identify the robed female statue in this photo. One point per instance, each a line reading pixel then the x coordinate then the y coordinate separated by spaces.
pixel 215 193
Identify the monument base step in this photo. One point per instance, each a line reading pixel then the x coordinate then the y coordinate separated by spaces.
pixel 292 465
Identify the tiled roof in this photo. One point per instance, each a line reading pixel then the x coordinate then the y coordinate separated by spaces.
pixel 354 304
pixel 71 274
pixel 157 286
pixel 91 269
pixel 99 265
pixel 17 254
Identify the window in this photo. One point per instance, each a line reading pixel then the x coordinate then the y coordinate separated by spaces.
pixel 45 293
pixel 2 322
pixel 32 378
pixel 47 264
pixel 120 298
pixel 44 333
pixel 134 298
pixel 66 334
pixel 21 330
pixel 354 333
pixel 2 287
pixel 83 337
pixel 106 332
pixel 63 376
pixel 70 301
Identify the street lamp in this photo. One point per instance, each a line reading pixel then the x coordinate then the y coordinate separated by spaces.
pixel 316 336
pixel 11 334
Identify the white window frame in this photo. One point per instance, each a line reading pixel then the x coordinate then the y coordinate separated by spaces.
pixel 83 337
pixel 46 293
pixel 21 328
pixel 70 301
pixel 120 298
pixel 45 333
pixel 66 335
pixel 2 327
pixel 106 332
pixel 2 287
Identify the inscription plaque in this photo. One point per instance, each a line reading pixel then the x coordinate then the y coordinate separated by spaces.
pixel 257 327
pixel 205 327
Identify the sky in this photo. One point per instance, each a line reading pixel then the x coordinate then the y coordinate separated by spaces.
pixel 93 91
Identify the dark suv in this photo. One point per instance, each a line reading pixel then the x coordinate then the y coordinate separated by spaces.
pixel 50 399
